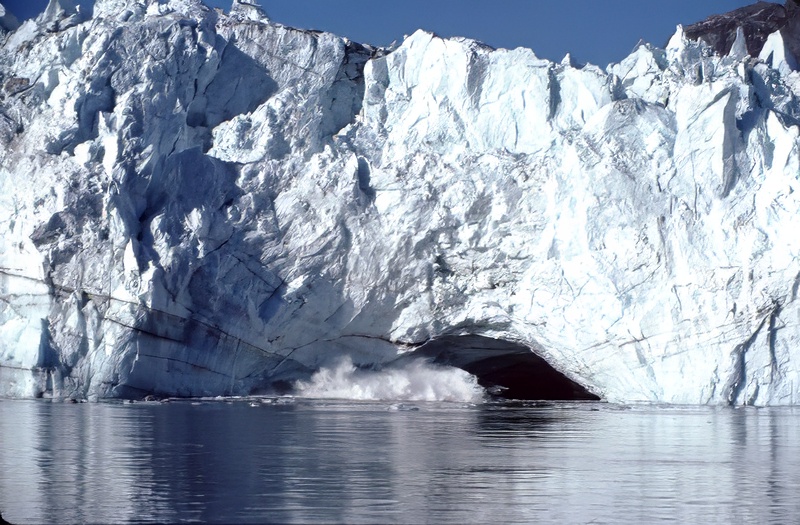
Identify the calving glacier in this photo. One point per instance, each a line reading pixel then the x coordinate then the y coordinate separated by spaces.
pixel 200 203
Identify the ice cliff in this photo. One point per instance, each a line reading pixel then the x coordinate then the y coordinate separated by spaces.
pixel 196 203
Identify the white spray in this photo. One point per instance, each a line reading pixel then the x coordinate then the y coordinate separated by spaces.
pixel 417 381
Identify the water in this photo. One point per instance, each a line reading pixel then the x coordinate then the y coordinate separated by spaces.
pixel 302 460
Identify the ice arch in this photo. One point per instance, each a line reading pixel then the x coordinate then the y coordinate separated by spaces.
pixel 516 369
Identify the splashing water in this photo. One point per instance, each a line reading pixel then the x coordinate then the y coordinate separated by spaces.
pixel 417 381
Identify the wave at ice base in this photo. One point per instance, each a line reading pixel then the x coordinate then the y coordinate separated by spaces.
pixel 417 381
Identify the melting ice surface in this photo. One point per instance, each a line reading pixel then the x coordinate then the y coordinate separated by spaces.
pixel 416 381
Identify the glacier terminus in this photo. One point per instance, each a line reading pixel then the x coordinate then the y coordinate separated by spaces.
pixel 197 203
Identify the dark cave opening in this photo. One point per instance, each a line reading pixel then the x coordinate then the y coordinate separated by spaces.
pixel 505 369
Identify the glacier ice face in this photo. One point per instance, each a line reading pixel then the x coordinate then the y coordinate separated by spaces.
pixel 202 204
pixel 777 55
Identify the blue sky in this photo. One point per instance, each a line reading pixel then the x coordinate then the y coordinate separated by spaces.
pixel 593 31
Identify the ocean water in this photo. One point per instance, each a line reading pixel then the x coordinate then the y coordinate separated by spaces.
pixel 302 460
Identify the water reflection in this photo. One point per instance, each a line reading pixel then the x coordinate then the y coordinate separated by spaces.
pixel 370 462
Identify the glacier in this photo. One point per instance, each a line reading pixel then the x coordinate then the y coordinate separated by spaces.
pixel 197 203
